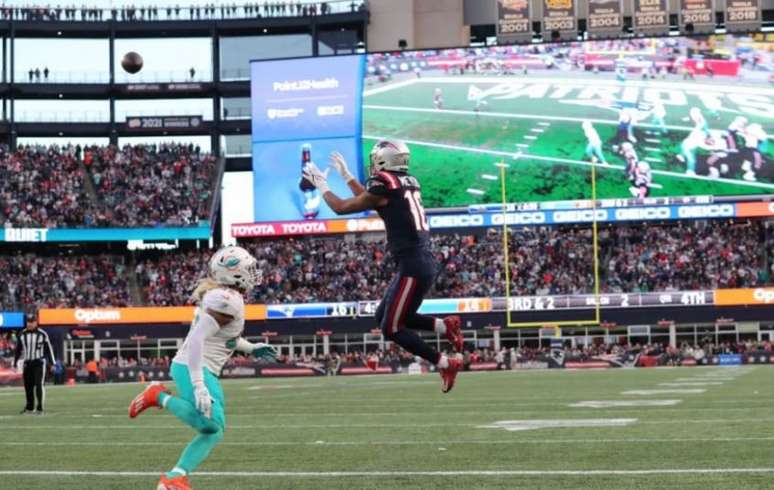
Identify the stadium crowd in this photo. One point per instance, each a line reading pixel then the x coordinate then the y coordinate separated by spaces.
pixel 42 186
pixel 544 260
pixel 214 10
pixel 36 281
pixel 149 185
pixel 141 185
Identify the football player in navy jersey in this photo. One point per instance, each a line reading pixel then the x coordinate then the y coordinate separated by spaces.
pixel 395 196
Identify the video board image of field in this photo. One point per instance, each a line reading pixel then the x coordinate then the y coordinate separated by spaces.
pixel 690 126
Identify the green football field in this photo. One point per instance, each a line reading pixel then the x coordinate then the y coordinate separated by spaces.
pixel 534 126
pixel 705 428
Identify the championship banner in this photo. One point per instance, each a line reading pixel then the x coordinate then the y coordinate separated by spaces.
pixel 743 15
pixel 513 21
pixel 605 18
pixel 697 16
pixel 651 17
pixel 559 16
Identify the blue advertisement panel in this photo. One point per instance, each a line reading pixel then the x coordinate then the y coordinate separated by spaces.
pixel 280 194
pixel 11 319
pixel 310 98
pixel 302 111
pixel 200 232
pixel 730 359
pixel 602 215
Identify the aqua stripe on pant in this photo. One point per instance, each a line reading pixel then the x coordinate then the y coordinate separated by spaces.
pixel 183 406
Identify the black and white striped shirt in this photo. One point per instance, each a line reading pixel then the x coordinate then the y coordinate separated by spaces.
pixel 33 345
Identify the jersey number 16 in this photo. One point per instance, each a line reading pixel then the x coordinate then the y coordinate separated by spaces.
pixel 417 210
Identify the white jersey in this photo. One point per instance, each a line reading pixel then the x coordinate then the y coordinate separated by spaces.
pixel 593 137
pixel 215 354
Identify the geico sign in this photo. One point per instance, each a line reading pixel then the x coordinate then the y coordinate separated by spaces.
pixel 88 316
pixel 708 211
pixel 580 216
pixel 642 213
pixel 763 295
pixel 456 221
pixel 537 217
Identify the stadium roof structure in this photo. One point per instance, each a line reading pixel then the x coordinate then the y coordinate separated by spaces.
pixel 344 28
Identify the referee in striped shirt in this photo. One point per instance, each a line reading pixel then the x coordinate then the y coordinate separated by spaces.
pixel 33 344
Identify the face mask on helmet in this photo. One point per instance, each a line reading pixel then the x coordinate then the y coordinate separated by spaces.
pixel 234 266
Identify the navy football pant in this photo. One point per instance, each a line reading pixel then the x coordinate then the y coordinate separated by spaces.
pixel 398 309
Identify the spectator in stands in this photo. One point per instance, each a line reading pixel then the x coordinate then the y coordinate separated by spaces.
pixel 62 281
pixel 146 185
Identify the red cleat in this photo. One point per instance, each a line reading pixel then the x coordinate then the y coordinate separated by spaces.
pixel 148 398
pixel 176 483
pixel 454 332
pixel 449 374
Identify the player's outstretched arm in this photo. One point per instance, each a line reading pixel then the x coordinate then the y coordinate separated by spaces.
pixel 258 349
pixel 361 202
pixel 338 163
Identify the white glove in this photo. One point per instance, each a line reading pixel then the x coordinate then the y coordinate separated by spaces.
pixel 317 177
pixel 338 163
pixel 203 400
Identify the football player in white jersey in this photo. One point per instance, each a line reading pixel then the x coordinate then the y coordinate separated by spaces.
pixel 216 332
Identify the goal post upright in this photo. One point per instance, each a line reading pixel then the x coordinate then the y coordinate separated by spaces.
pixel 595 247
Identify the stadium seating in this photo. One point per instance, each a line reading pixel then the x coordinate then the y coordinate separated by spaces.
pixel 70 186
pixel 544 260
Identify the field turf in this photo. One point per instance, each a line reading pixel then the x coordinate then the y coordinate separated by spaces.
pixel 389 431
pixel 452 149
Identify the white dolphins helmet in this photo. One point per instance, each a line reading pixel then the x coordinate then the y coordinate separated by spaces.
pixel 234 266
pixel 392 156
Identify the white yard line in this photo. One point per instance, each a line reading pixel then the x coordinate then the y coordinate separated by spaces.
pixel 515 440
pixel 529 156
pixel 508 115
pixel 389 87
pixel 693 88
pixel 401 473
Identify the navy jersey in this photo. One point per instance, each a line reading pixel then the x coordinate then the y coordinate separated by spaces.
pixel 403 216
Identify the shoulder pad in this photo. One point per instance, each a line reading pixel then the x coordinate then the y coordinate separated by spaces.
pixel 224 301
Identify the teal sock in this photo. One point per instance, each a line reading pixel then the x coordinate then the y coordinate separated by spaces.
pixel 210 434
pixel 186 412
pixel 198 450
pixel 176 472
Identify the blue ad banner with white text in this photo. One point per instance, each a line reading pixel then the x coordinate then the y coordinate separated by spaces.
pixel 199 232
pixel 11 319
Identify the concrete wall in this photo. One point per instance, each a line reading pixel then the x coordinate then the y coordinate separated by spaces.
pixel 422 23
pixel 439 23
pixel 391 20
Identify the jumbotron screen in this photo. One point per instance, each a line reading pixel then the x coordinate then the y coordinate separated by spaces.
pixel 655 117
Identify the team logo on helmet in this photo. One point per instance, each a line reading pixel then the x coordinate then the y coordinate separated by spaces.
pixel 231 263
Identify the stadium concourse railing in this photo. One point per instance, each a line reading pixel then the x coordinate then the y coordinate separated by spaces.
pixel 152 11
